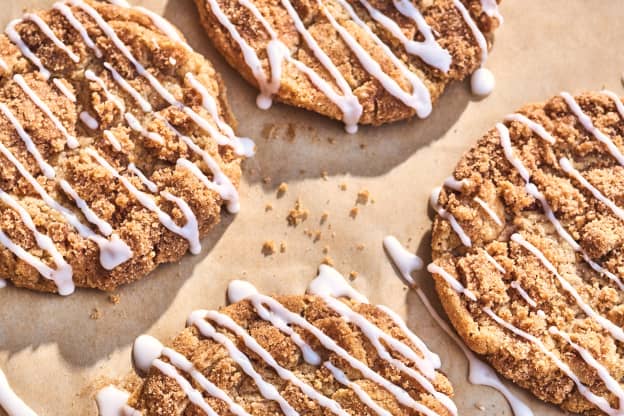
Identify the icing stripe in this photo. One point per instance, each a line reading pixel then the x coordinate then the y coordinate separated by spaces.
pixel 71 140
pixel 615 331
pixel 78 26
pixel 523 293
pixel 112 402
pixel 479 372
pixel 189 232
pixel 587 123
pixel 435 197
pixel 481 41
pixel 64 89
pixel 10 402
pixel 15 37
pixel 43 26
pixel 489 211
pixel 548 212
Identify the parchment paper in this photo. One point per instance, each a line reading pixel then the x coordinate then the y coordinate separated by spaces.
pixel 52 352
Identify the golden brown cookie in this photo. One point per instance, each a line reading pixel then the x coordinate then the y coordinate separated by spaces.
pixel 527 250
pixel 116 151
pixel 360 61
pixel 315 355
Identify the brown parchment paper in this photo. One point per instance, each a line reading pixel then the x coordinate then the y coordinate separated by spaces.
pixel 52 352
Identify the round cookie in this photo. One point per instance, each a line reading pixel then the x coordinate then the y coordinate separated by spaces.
pixel 116 151
pixel 527 250
pixel 317 354
pixel 359 61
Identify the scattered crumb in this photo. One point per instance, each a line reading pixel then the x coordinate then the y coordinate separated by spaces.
pixel 480 407
pixel 114 299
pixel 328 261
pixel 282 189
pixel 324 175
pixel 317 236
pixel 266 180
pixel 354 212
pixel 325 249
pixel 360 247
pixel 95 314
pixel 324 217
pixel 268 132
pixel 362 197
pixel 268 248
pixel 291 132
pixel 343 186
pixel 353 275
pixel 268 207
pixel 363 146
pixel 331 140
pixel 283 247
pixel 298 214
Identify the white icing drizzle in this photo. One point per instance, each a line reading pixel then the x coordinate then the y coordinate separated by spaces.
pixel 190 231
pixel 10 402
pixel 479 372
pixel 598 401
pixel 535 193
pixel 43 26
pixel 482 82
pixel 108 135
pixel 242 147
pixel 452 282
pixel 567 167
pixel 15 37
pixel 46 169
pixel 490 7
pixel 443 213
pixel 492 260
pixel 615 331
pixel 535 127
pixel 587 123
pixel 616 99
pixel 72 142
pixel 89 120
pixel 523 293
pixel 455 184
pixel 488 210
pixel 113 252
pixel 376 335
pixel 104 227
pixel 78 26
pixel 3 283
pixel 113 402
pixel 428 50
pixel 119 103
pixel 153 188
pixel 64 89
pixel 125 85
pixel 199 320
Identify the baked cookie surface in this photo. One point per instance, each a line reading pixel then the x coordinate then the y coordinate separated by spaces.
pixel 316 354
pixel 116 151
pixel 527 250
pixel 359 61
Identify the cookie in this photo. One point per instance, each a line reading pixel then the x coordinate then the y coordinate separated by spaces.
pixel 116 147
pixel 359 61
pixel 327 352
pixel 527 250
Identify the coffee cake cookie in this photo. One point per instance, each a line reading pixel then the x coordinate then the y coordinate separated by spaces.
pixel 116 147
pixel 527 250
pixel 359 61
pixel 328 352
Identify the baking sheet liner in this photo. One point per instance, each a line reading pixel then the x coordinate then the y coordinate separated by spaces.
pixel 52 351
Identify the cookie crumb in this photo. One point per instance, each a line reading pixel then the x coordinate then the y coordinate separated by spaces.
pixel 325 249
pixel 354 212
pixel 283 247
pixel 268 207
pixel 343 186
pixel 353 275
pixel 480 407
pixel 95 314
pixel 268 248
pixel 360 247
pixel 328 261
pixel 324 175
pixel 298 214
pixel 282 189
pixel 266 180
pixel 317 236
pixel 114 299
pixel 324 217
pixel 362 197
